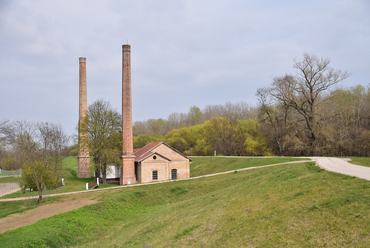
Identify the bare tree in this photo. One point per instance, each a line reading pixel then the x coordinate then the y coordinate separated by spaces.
pixel 307 90
pixel 39 148
pixel 195 116
pixel 234 112
pixel 278 117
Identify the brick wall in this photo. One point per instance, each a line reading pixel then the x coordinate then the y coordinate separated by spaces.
pixel 149 165
pixel 179 162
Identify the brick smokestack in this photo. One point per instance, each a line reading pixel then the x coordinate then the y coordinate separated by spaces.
pixel 83 159
pixel 128 170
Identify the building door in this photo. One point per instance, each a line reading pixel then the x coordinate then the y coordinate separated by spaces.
pixel 174 174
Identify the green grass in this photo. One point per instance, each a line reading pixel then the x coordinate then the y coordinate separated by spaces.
pixel 293 205
pixel 208 165
pixel 9 173
pixel 363 161
pixel 9 179
pixel 70 162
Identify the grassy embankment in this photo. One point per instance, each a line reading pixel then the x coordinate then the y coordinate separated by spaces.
pixel 201 166
pixel 294 205
pixel 209 165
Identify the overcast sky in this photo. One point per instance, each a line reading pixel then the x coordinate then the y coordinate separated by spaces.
pixel 183 53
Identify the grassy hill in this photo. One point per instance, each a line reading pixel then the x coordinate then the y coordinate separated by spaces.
pixel 210 165
pixel 294 205
pixel 201 166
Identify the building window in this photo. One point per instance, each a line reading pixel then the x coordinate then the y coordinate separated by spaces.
pixel 174 174
pixel 155 175
pixel 154 157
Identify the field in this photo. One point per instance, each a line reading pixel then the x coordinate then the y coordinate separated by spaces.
pixel 293 205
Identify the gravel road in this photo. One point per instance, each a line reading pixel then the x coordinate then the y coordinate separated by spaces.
pixel 343 167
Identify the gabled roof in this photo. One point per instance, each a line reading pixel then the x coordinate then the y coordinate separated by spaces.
pixel 149 154
pixel 146 151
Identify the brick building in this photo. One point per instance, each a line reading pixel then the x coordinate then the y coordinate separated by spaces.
pixel 158 161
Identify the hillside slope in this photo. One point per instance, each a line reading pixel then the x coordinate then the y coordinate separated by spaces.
pixel 295 205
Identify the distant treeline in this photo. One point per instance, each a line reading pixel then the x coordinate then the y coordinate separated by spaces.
pixel 195 116
pixel 220 128
pixel 342 126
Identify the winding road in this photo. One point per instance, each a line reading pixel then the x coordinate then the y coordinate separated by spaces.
pixel 343 167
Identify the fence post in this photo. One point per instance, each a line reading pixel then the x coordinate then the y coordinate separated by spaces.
pixel 97 181
pixel 62 181
pixel 87 186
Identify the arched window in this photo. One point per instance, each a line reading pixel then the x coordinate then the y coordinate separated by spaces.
pixel 155 175
pixel 174 174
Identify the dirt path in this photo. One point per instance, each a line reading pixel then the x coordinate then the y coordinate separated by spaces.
pixel 45 211
pixel 343 167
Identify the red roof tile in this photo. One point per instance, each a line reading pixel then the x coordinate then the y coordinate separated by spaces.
pixel 145 151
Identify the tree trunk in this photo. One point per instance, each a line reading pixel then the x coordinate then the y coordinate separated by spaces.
pixel 104 169
pixel 40 197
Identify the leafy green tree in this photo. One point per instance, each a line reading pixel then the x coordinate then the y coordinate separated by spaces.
pixel 104 126
pixel 31 173
pixel 72 150
pixel 248 133
pixel 185 139
pixel 218 134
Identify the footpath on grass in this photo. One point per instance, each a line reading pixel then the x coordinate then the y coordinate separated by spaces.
pixel 139 184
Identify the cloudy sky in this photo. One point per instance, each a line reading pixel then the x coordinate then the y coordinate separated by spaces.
pixel 183 52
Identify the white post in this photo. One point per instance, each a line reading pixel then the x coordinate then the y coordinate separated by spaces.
pixel 97 181
pixel 215 153
pixel 87 186
pixel 62 181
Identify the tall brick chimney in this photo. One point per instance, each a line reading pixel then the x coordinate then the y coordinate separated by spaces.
pixel 83 159
pixel 128 169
